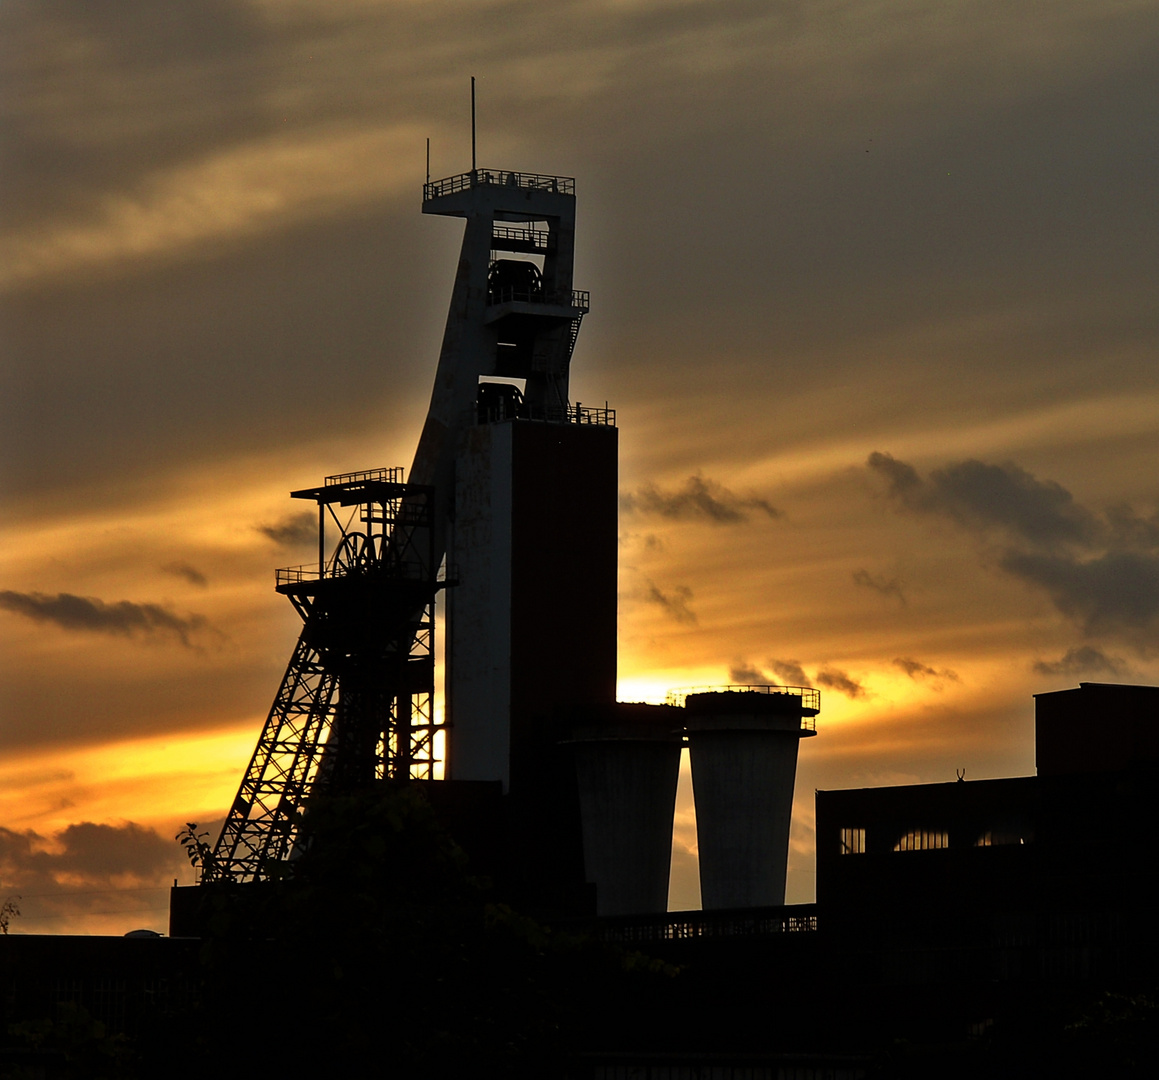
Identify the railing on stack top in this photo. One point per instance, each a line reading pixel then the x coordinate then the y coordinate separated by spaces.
pixel 810 698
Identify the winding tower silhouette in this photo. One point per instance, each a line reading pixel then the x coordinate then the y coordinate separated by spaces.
pixel 510 482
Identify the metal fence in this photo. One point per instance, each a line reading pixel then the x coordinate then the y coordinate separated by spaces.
pixel 393 475
pixel 691 925
pixel 571 414
pixel 562 185
pixel 531 237
pixel 580 298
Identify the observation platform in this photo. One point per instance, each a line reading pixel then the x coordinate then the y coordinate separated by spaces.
pixel 503 410
pixel 529 241
pixel 450 185
pixel 504 302
pixel 357 488
pixel 513 196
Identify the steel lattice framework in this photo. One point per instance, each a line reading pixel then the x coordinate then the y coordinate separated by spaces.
pixel 355 705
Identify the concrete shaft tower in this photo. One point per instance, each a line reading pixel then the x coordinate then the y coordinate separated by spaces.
pixel 524 481
pixel 509 319
pixel 743 745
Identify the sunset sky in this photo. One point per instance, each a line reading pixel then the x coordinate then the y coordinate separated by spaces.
pixel 875 294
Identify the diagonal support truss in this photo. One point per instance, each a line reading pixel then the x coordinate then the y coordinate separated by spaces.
pixel 356 704
pixel 263 822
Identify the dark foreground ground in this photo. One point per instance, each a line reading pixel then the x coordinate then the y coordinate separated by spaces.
pixel 384 956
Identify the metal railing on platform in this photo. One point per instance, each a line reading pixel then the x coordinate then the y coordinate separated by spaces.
pixel 571 414
pixel 393 475
pixel 580 299
pixel 562 185
pixel 295 575
pixel 586 414
pixel 396 569
pixel 532 237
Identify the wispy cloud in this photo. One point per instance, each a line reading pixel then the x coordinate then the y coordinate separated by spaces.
pixel 89 614
pixel 648 541
pixel 698 499
pixel 189 573
pixel 747 675
pixel 841 681
pixel 791 672
pixel 1083 660
pixel 1101 571
pixel 883 585
pixel 265 184
pixel 981 496
pixel 674 604
pixel 294 530
pixel 918 671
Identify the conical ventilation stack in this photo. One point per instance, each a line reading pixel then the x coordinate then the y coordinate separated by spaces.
pixel 627 759
pixel 743 745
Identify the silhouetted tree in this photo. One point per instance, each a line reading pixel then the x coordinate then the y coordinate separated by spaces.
pixel 8 911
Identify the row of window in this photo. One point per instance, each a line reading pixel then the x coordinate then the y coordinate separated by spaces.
pixel 853 840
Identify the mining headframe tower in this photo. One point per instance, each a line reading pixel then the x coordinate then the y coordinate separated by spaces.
pixel 510 509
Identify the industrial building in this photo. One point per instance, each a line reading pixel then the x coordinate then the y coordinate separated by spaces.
pixel 939 907
pixel 509 511
pixel 512 481
pixel 1036 877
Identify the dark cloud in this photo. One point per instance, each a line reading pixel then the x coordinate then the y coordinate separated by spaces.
pixel 699 498
pixel 96 851
pixel 836 679
pixel 915 669
pixel 903 479
pixel 294 530
pixel 791 672
pixel 1100 570
pixel 1040 511
pixel 93 853
pixel 89 869
pixel 982 495
pixel 746 675
pixel 1117 592
pixel 1084 659
pixel 189 573
pixel 89 614
pixel 1132 531
pixel 674 604
pixel 883 585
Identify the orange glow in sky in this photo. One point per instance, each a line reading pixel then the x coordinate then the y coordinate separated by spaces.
pixel 872 294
